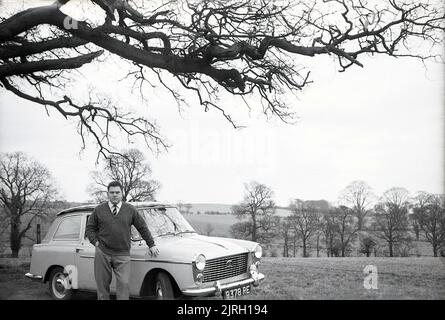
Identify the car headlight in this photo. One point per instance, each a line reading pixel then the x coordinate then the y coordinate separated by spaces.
pixel 258 251
pixel 200 262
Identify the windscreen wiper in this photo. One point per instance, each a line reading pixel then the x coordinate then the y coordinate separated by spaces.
pixel 167 234
pixel 187 231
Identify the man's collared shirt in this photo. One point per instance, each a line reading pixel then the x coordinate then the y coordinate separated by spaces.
pixel 118 206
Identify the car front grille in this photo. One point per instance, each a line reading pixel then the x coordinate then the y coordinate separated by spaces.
pixel 225 267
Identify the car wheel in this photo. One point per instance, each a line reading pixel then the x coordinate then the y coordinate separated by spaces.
pixel 57 287
pixel 163 287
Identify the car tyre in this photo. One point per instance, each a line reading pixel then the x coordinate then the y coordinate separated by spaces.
pixel 56 287
pixel 163 287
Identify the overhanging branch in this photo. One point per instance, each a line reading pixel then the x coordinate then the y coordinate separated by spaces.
pixel 14 69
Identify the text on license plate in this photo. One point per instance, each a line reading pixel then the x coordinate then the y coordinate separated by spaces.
pixel 236 292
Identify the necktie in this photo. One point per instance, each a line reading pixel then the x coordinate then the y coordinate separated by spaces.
pixel 115 209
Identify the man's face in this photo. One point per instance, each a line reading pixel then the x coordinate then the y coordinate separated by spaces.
pixel 115 194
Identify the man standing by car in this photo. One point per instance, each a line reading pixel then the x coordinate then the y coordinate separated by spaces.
pixel 109 230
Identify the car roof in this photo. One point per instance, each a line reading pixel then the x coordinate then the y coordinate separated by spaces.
pixel 90 207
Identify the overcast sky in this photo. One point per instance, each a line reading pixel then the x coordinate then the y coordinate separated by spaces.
pixel 382 124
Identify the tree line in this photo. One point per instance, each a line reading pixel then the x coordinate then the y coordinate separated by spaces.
pixel 392 220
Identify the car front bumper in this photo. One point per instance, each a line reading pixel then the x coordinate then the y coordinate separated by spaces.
pixel 217 288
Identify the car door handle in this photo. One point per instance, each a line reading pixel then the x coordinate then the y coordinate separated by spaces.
pixel 79 249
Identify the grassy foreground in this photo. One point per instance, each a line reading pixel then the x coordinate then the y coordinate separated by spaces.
pixel 298 278
pixel 342 278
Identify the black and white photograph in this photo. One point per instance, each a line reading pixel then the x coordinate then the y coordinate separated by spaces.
pixel 225 151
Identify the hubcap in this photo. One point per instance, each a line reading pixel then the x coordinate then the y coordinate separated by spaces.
pixel 58 285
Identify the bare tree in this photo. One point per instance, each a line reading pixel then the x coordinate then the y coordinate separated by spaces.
pixel 132 170
pixel 430 215
pixel 420 202
pixel 259 208
pixel 4 225
pixel 285 230
pixel 367 244
pixel 358 196
pixel 26 189
pixel 330 232
pixel 306 222
pixel 241 230
pixel 414 223
pixel 391 215
pixel 404 248
pixel 346 227
pixel 294 242
pixel 247 48
pixel 318 236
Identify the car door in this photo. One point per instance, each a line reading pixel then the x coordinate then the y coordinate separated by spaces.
pixel 85 260
pixel 85 252
pixel 64 243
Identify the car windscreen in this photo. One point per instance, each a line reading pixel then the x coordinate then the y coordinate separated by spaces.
pixel 162 221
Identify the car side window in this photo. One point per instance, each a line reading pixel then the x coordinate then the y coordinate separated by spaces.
pixel 135 236
pixel 69 228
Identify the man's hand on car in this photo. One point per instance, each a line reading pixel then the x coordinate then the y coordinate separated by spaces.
pixel 153 251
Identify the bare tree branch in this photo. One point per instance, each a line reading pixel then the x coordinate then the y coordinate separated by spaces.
pixel 247 48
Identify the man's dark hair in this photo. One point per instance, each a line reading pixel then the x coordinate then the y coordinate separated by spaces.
pixel 115 184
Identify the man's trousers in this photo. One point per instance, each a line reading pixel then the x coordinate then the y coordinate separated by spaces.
pixel 104 265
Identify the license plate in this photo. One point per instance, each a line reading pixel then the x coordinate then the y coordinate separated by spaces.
pixel 236 292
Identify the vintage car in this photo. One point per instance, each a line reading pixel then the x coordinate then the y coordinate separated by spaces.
pixel 189 264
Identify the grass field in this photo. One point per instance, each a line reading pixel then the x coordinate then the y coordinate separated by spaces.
pixel 342 278
pixel 298 278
